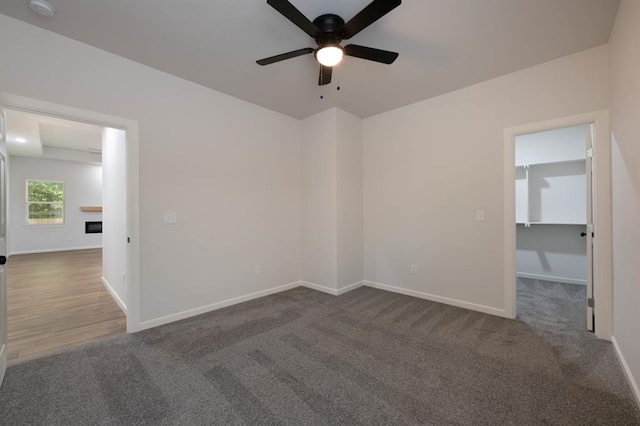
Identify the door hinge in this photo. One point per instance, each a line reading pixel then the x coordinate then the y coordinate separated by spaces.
pixel 590 302
pixel 128 240
pixel 590 153
pixel 590 229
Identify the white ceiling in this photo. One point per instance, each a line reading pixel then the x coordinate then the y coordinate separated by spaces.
pixel 444 45
pixel 42 132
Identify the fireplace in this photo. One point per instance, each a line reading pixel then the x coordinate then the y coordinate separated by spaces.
pixel 93 227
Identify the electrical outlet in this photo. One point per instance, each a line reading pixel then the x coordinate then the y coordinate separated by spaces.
pixel 414 269
pixel 480 215
pixel 258 269
pixel 170 217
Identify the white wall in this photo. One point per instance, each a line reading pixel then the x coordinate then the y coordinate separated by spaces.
pixel 625 126
pixel 83 187
pixel 230 169
pixel 114 215
pixel 552 253
pixel 332 199
pixel 557 193
pixel 429 166
pixel 567 143
pixel 350 241
pixel 319 202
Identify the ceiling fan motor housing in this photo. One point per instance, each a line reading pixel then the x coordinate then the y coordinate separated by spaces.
pixel 331 27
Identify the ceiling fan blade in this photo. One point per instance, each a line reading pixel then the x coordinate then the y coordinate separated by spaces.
pixel 369 53
pixel 325 75
pixel 283 56
pixel 290 12
pixel 367 16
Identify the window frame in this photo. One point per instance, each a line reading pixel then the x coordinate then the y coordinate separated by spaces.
pixel 28 203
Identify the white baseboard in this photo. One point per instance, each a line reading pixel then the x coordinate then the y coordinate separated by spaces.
pixel 214 306
pixel 319 287
pixel 627 370
pixel 455 302
pixel 114 295
pixel 335 292
pixel 53 250
pixel 551 278
pixel 329 290
pixel 349 287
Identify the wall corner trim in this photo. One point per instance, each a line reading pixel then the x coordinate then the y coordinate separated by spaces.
pixel 332 291
pixel 440 299
pixel 627 371
pixel 114 295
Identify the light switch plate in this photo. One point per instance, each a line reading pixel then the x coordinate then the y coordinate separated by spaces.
pixel 480 215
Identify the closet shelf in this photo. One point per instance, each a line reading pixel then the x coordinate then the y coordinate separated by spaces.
pixel 552 223
pixel 576 160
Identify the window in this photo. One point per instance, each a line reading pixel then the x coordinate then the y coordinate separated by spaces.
pixel 45 202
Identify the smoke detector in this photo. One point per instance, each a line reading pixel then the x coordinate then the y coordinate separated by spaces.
pixel 42 8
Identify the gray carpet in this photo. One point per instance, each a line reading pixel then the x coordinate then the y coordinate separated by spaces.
pixel 306 358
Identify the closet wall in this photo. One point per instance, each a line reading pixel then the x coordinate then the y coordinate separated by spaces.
pixel 551 205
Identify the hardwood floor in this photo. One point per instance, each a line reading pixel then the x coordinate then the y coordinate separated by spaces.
pixel 58 301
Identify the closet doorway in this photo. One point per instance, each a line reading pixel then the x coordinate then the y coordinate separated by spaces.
pixel 557 193
pixel 553 206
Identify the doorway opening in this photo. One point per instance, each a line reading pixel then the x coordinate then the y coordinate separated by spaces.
pixel 66 281
pixel 538 195
pixel 553 209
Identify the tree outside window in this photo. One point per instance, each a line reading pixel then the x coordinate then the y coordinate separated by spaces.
pixel 45 202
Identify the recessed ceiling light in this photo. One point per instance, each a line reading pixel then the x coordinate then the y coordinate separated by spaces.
pixel 42 7
pixel 21 140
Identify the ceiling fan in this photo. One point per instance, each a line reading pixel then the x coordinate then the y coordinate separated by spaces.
pixel 329 30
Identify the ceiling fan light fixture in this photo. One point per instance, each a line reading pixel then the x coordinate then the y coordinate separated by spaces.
pixel 329 56
pixel 329 30
pixel 42 8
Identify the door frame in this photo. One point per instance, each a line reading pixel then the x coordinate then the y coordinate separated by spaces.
pixel 4 213
pixel 602 243
pixel 130 127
